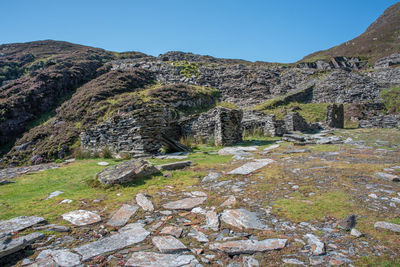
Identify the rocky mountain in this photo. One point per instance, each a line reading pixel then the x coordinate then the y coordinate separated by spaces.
pixel 381 39
pixel 54 92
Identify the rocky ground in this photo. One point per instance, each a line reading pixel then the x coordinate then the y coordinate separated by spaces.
pixel 329 199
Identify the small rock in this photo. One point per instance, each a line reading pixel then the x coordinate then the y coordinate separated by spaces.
pixel 8 247
pixel 174 165
pixel 293 261
pixel 388 177
pixel 65 201
pixel 212 176
pixel 152 259
pixel 81 217
pixel 249 261
pixel 19 223
pixel 271 147
pixel 64 258
pixel 53 227
pixel 212 220
pixel 144 202
pixel 318 247
pixel 388 226
pixel 172 230
pixel 168 244
pixel 122 216
pixel 199 236
pixel 348 223
pixel 250 167
pixel 185 204
pixel 54 194
pixel 242 218
pixel 103 163
pixel 248 246
pixel 230 201
pixel 356 233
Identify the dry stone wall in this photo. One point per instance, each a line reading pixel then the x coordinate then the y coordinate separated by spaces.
pixel 335 116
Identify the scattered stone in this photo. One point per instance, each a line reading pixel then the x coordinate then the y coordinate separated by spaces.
pixel 212 220
pixel 168 244
pixel 152 259
pixel 199 210
pixel 388 226
pixel 103 163
pixel 3 182
pixel 293 261
pixel 172 230
pixel 185 204
pixel 81 217
pixel 65 201
pixel 54 194
pixel 144 202
pixel 317 247
pixel 64 258
pixel 356 233
pixel 26 261
pixel 132 234
pixel 297 151
pixel 237 151
pixel 373 196
pixel 348 223
pixel 174 165
pixel 197 194
pixel 54 228
pixel 171 157
pixel 212 176
pixel 19 223
pixel 249 246
pixel 199 236
pixel 388 177
pixel 251 166
pixel 122 216
pixel 249 261
pixel 126 172
pixel 230 201
pixel 8 246
pixel 242 218
pixel 271 147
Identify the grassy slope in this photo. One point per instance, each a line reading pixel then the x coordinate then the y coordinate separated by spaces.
pixel 379 40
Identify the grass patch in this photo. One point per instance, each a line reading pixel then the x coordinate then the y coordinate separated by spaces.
pixel 391 99
pixel 335 204
pixel 312 112
pixel 227 105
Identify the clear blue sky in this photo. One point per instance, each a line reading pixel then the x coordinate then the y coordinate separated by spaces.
pixel 275 31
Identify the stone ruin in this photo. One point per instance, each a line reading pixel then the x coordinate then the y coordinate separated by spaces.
pixel 145 131
pixel 221 126
pixel 269 125
pixel 335 116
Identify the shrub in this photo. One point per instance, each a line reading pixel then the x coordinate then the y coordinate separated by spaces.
pixel 188 141
pixel 81 154
pixel 106 153
pixel 391 99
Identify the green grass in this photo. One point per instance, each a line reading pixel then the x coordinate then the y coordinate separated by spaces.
pixel 312 112
pixel 391 99
pixel 227 105
pixel 300 208
pixel 26 196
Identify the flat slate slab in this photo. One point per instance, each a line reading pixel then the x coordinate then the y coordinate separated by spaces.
pixel 168 244
pixel 122 216
pixel 172 230
pixel 151 259
pixel 251 166
pixel 198 235
pixel 388 177
pixel 185 204
pixel 174 165
pixel 62 257
pixel 17 244
pixel 249 246
pixel 81 217
pixel 19 223
pixel 317 246
pixel 126 172
pixel 242 218
pixel 388 226
pixel 212 220
pixel 135 234
pixel 237 150
pixel 144 202
pixel 212 176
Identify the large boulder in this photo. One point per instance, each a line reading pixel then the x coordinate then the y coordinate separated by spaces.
pixel 126 172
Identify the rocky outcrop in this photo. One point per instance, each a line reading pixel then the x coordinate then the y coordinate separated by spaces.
pixel 380 121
